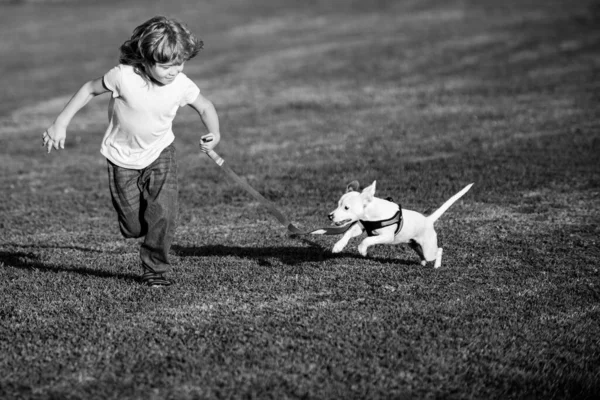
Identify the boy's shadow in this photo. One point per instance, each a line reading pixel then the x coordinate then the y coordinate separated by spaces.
pixel 31 261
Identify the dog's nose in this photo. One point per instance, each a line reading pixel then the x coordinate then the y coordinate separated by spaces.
pixel 330 216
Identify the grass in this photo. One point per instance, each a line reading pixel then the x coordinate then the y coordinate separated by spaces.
pixel 423 97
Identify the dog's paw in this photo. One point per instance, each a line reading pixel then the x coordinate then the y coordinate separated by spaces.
pixel 338 247
pixel 362 249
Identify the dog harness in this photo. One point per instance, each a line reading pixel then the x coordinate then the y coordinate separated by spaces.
pixel 371 226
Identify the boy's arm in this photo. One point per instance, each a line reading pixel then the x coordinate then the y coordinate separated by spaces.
pixel 209 117
pixel 56 134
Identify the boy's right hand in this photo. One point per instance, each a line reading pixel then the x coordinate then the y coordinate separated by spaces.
pixel 209 141
pixel 54 137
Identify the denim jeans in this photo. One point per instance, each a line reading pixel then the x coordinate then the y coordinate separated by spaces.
pixel 146 205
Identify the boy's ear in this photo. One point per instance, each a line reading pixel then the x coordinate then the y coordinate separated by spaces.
pixel 352 187
pixel 369 192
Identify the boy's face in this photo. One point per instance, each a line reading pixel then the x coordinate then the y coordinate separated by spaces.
pixel 164 74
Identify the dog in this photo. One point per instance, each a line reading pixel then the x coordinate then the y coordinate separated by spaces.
pixel 386 223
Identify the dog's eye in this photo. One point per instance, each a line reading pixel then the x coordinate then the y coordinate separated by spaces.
pixel 346 208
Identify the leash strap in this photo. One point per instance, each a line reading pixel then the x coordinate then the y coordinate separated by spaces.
pixel 261 199
pixel 272 209
pixel 330 230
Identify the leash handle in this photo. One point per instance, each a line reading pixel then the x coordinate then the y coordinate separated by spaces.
pixel 213 154
pixel 215 157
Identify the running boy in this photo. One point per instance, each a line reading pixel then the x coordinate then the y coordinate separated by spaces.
pixel 147 87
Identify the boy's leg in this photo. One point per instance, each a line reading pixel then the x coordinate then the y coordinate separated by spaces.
pixel 126 199
pixel 158 184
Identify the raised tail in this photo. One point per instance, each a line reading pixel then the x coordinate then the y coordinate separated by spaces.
pixel 438 213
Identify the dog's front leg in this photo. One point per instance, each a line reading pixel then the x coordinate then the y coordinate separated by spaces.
pixel 382 238
pixel 354 231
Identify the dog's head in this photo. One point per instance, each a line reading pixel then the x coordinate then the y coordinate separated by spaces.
pixel 351 205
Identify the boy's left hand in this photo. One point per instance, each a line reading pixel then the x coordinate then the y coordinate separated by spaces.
pixel 55 137
pixel 208 142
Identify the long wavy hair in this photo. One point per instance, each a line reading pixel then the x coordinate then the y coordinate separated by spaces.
pixel 159 40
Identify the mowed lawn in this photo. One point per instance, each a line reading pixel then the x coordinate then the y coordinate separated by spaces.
pixel 424 97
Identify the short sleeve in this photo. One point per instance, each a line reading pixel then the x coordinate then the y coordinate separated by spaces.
pixel 112 80
pixel 189 93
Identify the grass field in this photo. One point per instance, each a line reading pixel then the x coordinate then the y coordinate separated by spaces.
pixel 422 96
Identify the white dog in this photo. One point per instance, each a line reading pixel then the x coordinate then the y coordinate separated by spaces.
pixel 386 223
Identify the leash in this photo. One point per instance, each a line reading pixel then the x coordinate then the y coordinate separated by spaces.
pixel 292 229
pixel 269 205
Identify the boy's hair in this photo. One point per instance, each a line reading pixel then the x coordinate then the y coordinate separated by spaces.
pixel 159 40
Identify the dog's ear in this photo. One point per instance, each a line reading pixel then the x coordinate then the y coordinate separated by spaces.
pixel 369 192
pixel 352 187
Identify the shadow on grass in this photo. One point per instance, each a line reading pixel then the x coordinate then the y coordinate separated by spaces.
pixel 287 255
pixel 75 248
pixel 31 261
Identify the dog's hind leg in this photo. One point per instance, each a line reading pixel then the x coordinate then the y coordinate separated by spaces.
pixel 438 258
pixel 419 250
pixel 428 250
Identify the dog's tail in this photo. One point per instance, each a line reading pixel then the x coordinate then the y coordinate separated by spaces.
pixel 438 213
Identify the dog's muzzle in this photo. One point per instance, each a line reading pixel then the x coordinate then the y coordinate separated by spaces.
pixel 341 223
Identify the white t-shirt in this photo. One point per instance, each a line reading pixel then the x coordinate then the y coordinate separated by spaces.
pixel 141 116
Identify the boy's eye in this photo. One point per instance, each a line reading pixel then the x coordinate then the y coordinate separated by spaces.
pixel 169 66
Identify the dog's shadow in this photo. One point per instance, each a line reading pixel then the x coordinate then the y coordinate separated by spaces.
pixel 287 255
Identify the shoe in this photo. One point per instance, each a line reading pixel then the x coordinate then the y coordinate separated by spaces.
pixel 153 279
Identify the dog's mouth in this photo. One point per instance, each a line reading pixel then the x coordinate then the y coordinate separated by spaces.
pixel 342 223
